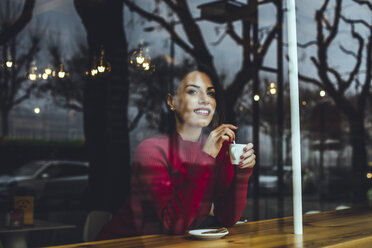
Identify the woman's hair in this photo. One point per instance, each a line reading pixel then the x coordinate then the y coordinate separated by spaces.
pixel 219 115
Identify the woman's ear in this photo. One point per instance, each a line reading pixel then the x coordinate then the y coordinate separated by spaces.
pixel 170 102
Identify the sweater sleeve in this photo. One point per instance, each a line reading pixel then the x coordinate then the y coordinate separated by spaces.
pixel 176 195
pixel 231 191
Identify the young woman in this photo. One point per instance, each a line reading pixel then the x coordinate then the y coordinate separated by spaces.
pixel 181 178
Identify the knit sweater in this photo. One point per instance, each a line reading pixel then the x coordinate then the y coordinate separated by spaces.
pixel 173 187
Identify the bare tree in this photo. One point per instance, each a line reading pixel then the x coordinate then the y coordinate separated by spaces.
pixel 12 26
pixel 106 104
pixel 14 85
pixel 331 80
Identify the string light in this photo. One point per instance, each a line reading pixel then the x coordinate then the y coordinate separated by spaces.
pixel 32 75
pixel 9 63
pixel 61 73
pixel 256 98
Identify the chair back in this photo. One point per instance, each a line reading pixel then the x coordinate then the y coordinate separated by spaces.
pixel 94 223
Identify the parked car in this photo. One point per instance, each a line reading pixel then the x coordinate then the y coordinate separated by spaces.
pixel 47 179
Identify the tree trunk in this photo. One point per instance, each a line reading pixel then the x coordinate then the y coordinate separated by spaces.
pixel 359 158
pixel 5 123
pixel 106 105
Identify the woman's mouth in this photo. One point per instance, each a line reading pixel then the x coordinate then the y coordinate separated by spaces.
pixel 202 111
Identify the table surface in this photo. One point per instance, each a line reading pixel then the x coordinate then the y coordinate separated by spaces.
pixel 342 228
pixel 38 225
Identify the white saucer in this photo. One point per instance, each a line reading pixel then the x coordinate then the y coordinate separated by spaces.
pixel 198 233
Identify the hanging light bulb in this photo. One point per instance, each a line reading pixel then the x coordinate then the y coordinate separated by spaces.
pixel 146 66
pixel 32 76
pixel 61 73
pixel 45 76
pixel 94 71
pixel 9 63
pixel 48 71
pixel 101 68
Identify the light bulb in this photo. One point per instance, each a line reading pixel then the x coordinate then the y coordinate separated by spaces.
pixel 9 64
pixel 32 76
pixel 101 68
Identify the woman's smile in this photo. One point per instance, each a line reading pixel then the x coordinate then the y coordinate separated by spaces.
pixel 202 111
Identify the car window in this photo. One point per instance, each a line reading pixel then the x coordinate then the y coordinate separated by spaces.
pixel 27 169
pixel 66 170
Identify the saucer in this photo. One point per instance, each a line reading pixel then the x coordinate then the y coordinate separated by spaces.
pixel 199 234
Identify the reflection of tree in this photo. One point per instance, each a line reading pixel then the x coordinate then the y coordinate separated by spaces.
pixel 14 85
pixel 337 86
pixel 194 44
pixel 10 29
pixel 106 105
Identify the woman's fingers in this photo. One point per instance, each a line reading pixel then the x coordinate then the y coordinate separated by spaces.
pixel 248 158
pixel 226 132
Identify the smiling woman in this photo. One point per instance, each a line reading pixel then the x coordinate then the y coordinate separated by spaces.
pixel 185 180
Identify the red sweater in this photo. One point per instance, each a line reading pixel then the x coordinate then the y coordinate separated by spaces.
pixel 174 185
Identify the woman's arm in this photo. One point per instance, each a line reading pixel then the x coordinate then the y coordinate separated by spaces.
pixel 176 197
pixel 231 189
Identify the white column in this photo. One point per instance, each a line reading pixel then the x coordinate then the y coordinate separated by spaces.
pixel 295 116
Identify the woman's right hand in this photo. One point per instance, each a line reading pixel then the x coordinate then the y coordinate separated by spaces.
pixel 224 132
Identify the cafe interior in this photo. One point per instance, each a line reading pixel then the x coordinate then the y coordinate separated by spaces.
pixel 85 84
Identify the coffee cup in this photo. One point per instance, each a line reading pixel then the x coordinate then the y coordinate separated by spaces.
pixel 235 151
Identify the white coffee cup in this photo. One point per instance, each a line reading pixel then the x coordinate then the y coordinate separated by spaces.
pixel 235 151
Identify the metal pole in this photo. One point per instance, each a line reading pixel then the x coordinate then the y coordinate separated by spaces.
pixel 295 117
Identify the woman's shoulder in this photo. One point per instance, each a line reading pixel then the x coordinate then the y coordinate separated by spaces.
pixel 154 143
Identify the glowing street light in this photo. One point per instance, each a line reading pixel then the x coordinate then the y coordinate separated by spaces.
pixel 37 110
pixel 322 93
pixel 272 88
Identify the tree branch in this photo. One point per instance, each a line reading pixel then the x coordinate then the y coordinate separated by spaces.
pixel 310 80
pixel 348 52
pixel 359 56
pixel 307 44
pixel 336 21
pixel 265 46
pixel 19 24
pixel 167 26
pixel 368 3
pixel 233 34
pixel 358 21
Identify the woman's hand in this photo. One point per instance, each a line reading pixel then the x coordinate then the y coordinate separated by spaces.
pixel 224 132
pixel 248 158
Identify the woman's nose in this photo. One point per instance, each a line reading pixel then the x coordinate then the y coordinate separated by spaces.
pixel 203 98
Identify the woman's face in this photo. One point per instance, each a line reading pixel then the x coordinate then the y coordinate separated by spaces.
pixel 195 102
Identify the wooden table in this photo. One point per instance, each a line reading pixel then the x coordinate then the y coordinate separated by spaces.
pixel 17 237
pixel 342 228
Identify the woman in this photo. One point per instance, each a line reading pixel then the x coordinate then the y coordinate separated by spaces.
pixel 178 178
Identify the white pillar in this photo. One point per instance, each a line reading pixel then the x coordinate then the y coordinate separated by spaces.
pixel 295 117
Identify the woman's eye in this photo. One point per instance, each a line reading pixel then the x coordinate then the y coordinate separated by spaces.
pixel 212 94
pixel 192 92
